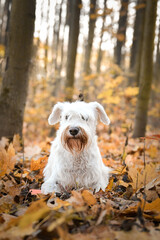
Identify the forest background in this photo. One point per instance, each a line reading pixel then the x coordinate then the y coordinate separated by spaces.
pixel 107 51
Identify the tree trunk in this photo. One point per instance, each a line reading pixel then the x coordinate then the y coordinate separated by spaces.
pixel 59 50
pixel 121 33
pixel 72 47
pixel 15 81
pixel 157 63
pixel 5 21
pixel 47 46
pixel 68 14
pixel 99 58
pixel 57 25
pixel 136 50
pixel 88 50
pixel 146 69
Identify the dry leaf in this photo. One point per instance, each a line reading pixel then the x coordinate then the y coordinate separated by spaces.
pixel 8 159
pixel 76 199
pixel 88 197
pixel 4 142
pixel 17 143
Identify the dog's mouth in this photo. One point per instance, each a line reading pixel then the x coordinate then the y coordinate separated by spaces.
pixel 74 144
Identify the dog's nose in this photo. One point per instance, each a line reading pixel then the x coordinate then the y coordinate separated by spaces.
pixel 74 131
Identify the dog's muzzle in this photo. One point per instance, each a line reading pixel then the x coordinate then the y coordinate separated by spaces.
pixel 74 139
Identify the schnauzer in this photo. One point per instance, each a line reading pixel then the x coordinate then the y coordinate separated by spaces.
pixel 75 160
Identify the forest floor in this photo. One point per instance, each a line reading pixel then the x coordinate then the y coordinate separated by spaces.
pixel 128 209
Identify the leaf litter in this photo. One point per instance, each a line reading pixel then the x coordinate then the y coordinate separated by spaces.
pixel 129 207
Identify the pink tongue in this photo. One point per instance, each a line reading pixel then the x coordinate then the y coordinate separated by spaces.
pixel 35 191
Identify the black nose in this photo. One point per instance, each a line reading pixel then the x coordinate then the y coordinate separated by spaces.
pixel 74 131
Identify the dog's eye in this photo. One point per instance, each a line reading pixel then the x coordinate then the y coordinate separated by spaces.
pixel 66 117
pixel 83 118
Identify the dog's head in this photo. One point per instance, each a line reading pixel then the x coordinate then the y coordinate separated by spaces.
pixel 78 122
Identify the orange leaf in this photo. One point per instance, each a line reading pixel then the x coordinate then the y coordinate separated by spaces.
pixel 88 197
pixel 110 185
pixel 153 206
pixel 17 142
pixel 39 164
pixel 8 159
pixel 76 199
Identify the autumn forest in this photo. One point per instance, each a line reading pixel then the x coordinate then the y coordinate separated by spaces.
pixel 105 51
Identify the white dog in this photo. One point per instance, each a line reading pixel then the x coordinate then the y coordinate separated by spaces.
pixel 75 159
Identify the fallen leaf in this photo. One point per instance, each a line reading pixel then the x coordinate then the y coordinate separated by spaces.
pixel 88 197
pixel 8 159
pixel 76 199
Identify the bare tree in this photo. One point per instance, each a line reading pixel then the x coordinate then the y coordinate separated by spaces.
pixel 157 62
pixel 88 49
pixel 146 69
pixel 136 49
pixel 99 58
pixel 47 47
pixel 57 25
pixel 15 82
pixel 121 33
pixel 72 47
pixel 5 22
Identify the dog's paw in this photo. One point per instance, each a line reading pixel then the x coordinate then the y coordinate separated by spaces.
pixel 47 188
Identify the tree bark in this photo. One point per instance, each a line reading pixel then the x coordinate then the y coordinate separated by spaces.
pixel 57 25
pixel 15 81
pixel 136 50
pixel 4 23
pixel 88 50
pixel 99 58
pixel 146 69
pixel 68 14
pixel 7 23
pixel 47 46
pixel 72 47
pixel 121 33
pixel 157 62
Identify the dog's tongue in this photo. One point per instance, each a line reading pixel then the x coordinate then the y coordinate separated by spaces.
pixel 35 191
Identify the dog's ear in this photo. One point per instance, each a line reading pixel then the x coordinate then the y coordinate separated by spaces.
pixel 101 112
pixel 55 114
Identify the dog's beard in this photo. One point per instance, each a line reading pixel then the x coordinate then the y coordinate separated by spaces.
pixel 74 144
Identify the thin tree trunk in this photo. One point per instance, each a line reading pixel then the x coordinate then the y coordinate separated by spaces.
pixel 47 47
pixel 146 69
pixel 68 14
pixel 15 81
pixel 57 26
pixel 88 50
pixel 59 49
pixel 99 58
pixel 157 63
pixel 72 47
pixel 7 23
pixel 138 30
pixel 41 20
pixel 121 33
pixel 136 50
pixel 5 19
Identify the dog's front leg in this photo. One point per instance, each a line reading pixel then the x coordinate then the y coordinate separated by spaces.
pixel 49 186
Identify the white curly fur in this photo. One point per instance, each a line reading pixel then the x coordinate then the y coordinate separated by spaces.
pixel 66 169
